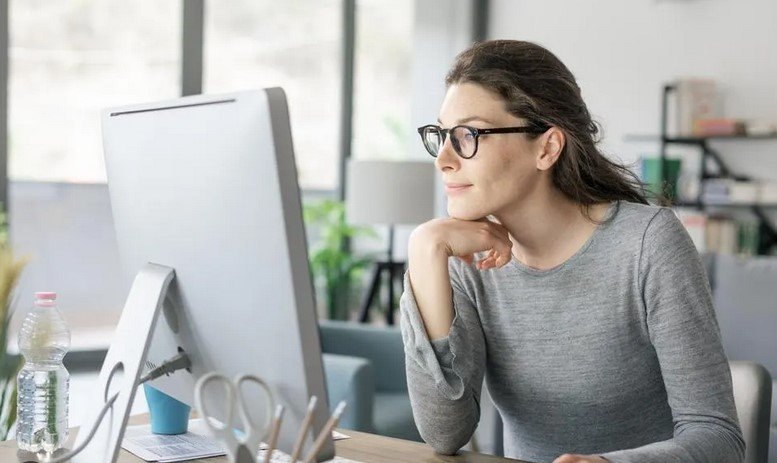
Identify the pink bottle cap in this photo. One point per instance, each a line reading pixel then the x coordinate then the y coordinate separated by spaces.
pixel 45 295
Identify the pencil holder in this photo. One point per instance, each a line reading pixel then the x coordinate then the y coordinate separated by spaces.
pixel 168 415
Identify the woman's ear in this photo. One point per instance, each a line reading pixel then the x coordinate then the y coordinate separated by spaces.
pixel 549 146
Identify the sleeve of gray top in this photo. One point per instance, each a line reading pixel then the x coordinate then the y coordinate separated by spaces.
pixel 445 376
pixel 686 337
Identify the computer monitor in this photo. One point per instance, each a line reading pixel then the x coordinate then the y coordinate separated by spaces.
pixel 207 185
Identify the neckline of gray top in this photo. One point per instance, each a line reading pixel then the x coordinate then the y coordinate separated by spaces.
pixel 612 211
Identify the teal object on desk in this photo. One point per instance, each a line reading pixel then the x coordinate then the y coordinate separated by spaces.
pixel 168 415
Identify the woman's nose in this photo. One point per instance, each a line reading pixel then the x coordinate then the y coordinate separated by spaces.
pixel 447 157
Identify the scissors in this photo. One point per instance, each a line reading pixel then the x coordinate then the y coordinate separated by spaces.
pixel 239 449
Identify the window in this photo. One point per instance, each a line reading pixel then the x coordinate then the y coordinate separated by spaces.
pixel 295 45
pixel 68 61
pixel 382 81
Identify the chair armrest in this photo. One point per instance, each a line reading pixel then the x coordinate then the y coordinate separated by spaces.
pixel 351 379
pixel 380 345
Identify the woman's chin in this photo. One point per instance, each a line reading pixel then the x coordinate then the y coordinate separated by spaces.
pixel 465 213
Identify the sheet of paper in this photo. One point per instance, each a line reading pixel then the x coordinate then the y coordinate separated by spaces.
pixel 197 443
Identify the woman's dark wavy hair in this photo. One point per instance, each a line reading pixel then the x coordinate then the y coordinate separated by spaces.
pixel 537 86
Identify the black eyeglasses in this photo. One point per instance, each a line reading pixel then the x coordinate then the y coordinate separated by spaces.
pixel 465 138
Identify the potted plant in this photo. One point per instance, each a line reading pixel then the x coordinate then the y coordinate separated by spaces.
pixel 10 270
pixel 332 265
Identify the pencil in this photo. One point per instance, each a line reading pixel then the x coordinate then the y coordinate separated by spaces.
pixel 303 430
pixel 326 432
pixel 276 427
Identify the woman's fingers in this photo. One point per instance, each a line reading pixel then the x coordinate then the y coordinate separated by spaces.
pixel 487 236
pixel 486 262
pixel 468 258
pixel 502 248
pixel 499 256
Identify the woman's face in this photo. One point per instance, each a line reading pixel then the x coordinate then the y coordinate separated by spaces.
pixel 503 172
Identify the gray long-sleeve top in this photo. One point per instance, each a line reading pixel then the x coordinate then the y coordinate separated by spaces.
pixel 616 352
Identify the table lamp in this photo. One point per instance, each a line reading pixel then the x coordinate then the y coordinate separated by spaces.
pixel 388 193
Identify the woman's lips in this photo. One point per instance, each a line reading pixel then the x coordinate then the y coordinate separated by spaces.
pixel 455 188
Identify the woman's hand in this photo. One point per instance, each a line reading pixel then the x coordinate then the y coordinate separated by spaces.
pixel 463 238
pixel 431 245
pixel 571 458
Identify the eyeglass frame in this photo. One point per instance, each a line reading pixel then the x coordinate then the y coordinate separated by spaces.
pixel 478 132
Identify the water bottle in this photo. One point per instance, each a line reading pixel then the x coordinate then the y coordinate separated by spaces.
pixel 43 381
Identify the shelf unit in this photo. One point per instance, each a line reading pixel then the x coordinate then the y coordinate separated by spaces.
pixel 768 232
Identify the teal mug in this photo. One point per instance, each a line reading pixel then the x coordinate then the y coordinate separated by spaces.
pixel 168 415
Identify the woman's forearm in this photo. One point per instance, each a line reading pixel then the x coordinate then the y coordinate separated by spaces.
pixel 430 281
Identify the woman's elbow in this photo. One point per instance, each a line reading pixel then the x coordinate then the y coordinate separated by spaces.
pixel 445 445
pixel 446 442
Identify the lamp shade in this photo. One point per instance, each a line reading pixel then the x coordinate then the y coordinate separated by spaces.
pixel 389 192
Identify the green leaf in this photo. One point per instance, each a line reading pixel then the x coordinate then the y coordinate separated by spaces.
pixel 329 261
pixel 10 419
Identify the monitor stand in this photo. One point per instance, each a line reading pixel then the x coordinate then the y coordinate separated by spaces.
pixel 123 365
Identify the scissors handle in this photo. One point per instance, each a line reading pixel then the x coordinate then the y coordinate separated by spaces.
pixel 254 435
pixel 225 430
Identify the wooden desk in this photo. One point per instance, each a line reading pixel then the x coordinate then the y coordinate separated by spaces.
pixel 362 447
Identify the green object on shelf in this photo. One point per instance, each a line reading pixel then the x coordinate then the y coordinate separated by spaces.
pixel 748 237
pixel 651 175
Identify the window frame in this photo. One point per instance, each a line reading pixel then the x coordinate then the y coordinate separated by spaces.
pixel 191 77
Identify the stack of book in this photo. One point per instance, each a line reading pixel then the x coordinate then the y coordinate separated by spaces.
pixel 719 127
pixel 729 127
pixel 722 235
pixel 694 99
pixel 695 109
pixel 730 191
pixel 761 128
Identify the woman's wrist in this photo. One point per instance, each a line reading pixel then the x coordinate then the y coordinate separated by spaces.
pixel 426 246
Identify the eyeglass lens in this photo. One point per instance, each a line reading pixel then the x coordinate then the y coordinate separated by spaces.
pixel 462 138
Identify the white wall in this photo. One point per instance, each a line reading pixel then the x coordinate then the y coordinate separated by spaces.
pixel 622 52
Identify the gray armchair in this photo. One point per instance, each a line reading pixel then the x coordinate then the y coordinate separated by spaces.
pixel 753 397
pixel 365 365
pixel 746 307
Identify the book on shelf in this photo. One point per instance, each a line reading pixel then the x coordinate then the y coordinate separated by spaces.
pixel 762 128
pixel 730 191
pixel 695 224
pixel 694 99
pixel 718 127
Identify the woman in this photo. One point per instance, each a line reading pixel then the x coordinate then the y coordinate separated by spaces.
pixel 586 309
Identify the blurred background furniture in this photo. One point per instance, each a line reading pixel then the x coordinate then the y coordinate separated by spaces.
pixel 745 294
pixel 388 193
pixel 753 397
pixel 365 365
